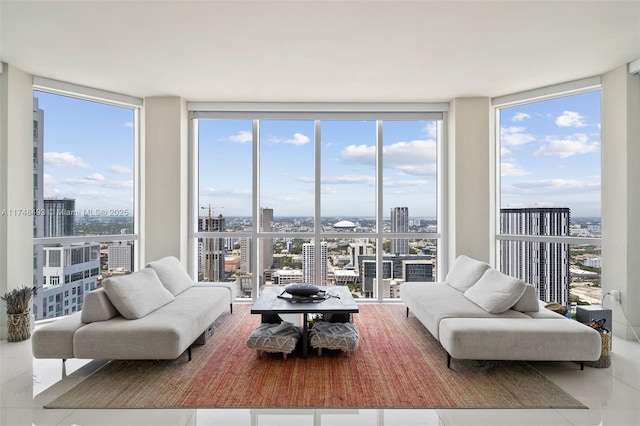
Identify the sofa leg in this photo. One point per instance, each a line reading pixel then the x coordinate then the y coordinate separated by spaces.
pixel 581 365
pixel 448 360
pixel 230 308
pixel 407 312
pixel 189 352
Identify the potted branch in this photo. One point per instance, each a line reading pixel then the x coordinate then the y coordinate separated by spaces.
pixel 18 303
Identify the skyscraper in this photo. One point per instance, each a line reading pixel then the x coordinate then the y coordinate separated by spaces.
pixel 212 249
pixel 120 257
pixel 266 245
pixel 309 262
pixel 59 217
pixel 543 264
pixel 399 223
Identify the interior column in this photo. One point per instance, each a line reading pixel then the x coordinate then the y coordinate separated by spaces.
pixel 471 189
pixel 621 197
pixel 164 179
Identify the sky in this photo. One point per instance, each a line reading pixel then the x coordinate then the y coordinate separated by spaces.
pixel 549 150
pixel 347 171
pixel 551 154
pixel 88 154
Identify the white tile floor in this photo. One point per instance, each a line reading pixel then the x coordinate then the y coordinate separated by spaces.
pixel 612 395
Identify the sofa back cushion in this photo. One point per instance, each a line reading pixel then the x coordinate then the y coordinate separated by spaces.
pixel 465 272
pixel 97 307
pixel 529 301
pixel 172 274
pixel 138 294
pixel 496 292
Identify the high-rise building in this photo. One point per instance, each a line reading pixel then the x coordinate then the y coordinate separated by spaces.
pixel 309 262
pixel 399 223
pixel 359 249
pixel 59 217
pixel 245 255
pixel 38 191
pixel 69 272
pixel 397 268
pixel 266 244
pixel 212 250
pixel 543 264
pixel 120 257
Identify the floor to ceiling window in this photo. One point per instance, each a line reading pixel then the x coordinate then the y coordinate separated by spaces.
pixel 550 194
pixel 327 198
pixel 83 196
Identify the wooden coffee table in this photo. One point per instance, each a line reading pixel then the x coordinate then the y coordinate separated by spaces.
pixel 339 302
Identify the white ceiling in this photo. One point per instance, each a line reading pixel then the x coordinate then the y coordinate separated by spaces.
pixel 316 51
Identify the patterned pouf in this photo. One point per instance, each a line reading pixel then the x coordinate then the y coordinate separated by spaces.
pixel 335 335
pixel 282 337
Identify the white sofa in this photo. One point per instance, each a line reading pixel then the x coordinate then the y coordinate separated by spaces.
pixel 479 313
pixel 154 313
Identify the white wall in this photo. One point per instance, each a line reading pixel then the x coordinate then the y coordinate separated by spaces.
pixel 471 209
pixel 620 196
pixel 164 186
pixel 16 183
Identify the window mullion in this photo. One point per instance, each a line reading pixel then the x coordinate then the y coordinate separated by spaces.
pixel 317 212
pixel 379 211
pixel 255 209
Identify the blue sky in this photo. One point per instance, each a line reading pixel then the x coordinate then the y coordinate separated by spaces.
pixel 88 152
pixel 287 163
pixel 551 154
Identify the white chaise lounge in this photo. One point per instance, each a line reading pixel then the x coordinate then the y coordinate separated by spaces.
pixel 479 313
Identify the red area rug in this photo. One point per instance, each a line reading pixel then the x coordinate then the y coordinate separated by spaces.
pixel 398 365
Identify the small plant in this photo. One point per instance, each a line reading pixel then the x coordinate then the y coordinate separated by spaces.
pixel 17 300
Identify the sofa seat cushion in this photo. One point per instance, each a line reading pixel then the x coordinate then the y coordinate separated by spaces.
pixel 558 339
pixel 432 302
pixel 496 292
pixel 138 294
pixel 97 307
pixel 172 274
pixel 465 272
pixel 55 339
pixel 163 334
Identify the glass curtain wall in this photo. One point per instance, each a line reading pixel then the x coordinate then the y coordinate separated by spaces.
pixel 83 198
pixel 313 199
pixel 550 196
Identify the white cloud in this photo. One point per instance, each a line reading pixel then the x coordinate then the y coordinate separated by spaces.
pixel 570 119
pixel 555 186
pixel 243 136
pixel 235 192
pixel 297 139
pixel 64 159
pixel 129 124
pixel 508 169
pixel 431 130
pixel 96 177
pixel 416 158
pixel 349 180
pixel 504 151
pixel 120 169
pixel 389 183
pixel 515 136
pixel 578 143
pixel 520 116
